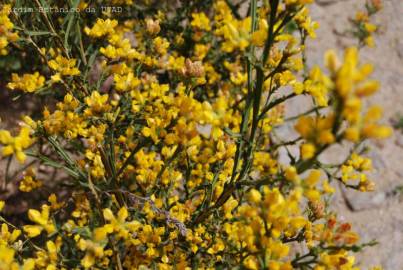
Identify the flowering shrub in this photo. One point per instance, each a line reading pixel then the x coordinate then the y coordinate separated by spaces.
pixel 158 147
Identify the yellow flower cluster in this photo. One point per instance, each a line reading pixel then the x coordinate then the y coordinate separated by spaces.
pixel 317 85
pixel 29 181
pixel 260 229
pixel 41 220
pixel 354 171
pixel 101 28
pixel 236 33
pixel 351 85
pixel 9 262
pixel 64 120
pixel 28 82
pixel 306 23
pixel 6 29
pixel 16 145
pixel 63 67
pixel 200 21
pixel 119 45
pixel 317 131
pixel 362 26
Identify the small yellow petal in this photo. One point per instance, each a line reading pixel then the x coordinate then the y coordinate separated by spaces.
pixel 32 230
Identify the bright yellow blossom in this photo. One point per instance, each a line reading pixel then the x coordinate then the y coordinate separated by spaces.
pixel 28 82
pixel 16 145
pixel 101 28
pixel 29 181
pixel 42 222
pixel 6 29
pixel 201 21
pixel 63 67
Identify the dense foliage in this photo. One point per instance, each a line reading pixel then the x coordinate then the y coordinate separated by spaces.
pixel 157 143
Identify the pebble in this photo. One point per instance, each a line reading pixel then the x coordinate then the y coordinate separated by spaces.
pixel 364 201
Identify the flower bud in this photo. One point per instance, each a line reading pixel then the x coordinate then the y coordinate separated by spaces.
pixel 153 27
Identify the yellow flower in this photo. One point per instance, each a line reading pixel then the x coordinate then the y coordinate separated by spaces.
pixel 317 85
pixel 251 263
pixel 29 181
pixel 7 258
pixel 97 103
pixel 6 26
pixel 367 89
pixel 63 67
pixel 254 196
pixel 161 45
pixel 307 150
pixel 201 51
pixel 126 82
pixel 331 61
pixel 316 130
pixel 16 145
pixel 7 237
pixel 259 37
pixel 217 247
pixel 369 41
pixel 239 78
pixel 101 28
pixel 42 222
pixel 351 85
pixel 28 82
pixel 305 22
pixel 370 27
pixel 200 21
pixel 327 188
pixel 376 131
pixel 54 205
pixel 291 174
pixel 161 163
pixel 377 268
pixel 312 178
pixel 94 247
pixel 153 27
pixel 96 165
pixel 352 134
pixel 236 33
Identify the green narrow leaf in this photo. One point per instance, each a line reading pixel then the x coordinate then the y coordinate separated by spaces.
pixel 49 162
pixel 70 19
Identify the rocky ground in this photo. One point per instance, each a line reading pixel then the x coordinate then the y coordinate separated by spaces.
pixel 377 215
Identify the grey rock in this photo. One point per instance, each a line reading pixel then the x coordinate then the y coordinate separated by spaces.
pixel 399 139
pixel 394 262
pixel 399 48
pixel 360 201
pixel 377 160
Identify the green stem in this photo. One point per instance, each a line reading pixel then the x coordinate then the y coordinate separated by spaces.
pixel 248 106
